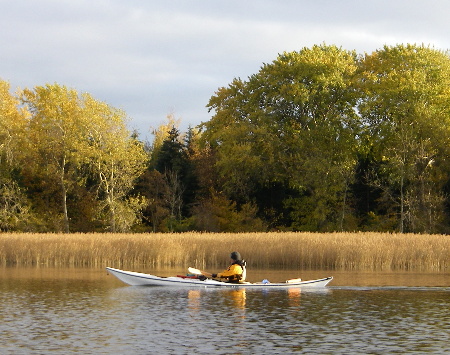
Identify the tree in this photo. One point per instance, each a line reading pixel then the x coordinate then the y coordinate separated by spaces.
pixel 293 123
pixel 161 133
pixel 172 158
pixel 116 159
pixel 219 214
pixel 14 205
pixel 405 107
pixel 54 133
pixel 75 140
pixel 12 124
pixel 153 187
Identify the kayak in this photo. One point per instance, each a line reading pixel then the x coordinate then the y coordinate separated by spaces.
pixel 140 279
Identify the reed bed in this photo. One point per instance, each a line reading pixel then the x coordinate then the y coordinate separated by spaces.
pixel 356 251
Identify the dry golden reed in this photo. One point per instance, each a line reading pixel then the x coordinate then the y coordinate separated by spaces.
pixel 362 251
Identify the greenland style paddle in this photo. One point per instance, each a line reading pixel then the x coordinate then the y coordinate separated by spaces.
pixel 199 272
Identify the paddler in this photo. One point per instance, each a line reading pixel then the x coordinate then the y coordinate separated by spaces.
pixel 236 270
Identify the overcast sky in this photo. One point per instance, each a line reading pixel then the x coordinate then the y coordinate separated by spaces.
pixel 155 57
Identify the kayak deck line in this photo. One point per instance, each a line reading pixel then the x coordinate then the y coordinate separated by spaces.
pixel 141 279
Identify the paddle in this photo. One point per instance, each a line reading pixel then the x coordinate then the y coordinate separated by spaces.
pixel 191 270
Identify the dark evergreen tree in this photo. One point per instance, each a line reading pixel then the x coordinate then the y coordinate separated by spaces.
pixel 172 160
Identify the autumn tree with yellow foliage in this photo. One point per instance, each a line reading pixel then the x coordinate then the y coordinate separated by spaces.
pixel 14 206
pixel 75 158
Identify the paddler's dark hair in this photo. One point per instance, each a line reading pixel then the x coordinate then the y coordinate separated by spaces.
pixel 235 256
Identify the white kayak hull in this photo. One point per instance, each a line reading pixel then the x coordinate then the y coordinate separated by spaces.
pixel 140 279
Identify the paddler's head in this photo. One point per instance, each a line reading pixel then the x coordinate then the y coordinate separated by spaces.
pixel 235 256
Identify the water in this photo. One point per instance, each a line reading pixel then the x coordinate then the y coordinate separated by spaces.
pixel 73 311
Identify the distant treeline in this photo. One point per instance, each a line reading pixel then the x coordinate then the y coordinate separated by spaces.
pixel 323 139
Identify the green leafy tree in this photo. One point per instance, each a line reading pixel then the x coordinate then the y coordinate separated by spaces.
pixel 405 107
pixel 293 123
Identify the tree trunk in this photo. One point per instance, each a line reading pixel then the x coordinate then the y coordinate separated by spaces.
pixel 64 200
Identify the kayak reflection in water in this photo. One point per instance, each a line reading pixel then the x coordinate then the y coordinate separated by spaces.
pixel 236 271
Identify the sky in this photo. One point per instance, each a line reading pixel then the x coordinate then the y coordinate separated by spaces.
pixel 153 58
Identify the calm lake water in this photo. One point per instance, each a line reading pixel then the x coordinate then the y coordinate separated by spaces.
pixel 86 311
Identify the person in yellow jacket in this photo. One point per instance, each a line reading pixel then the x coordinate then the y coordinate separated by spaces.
pixel 236 271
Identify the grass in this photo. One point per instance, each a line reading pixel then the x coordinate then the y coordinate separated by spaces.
pixel 356 251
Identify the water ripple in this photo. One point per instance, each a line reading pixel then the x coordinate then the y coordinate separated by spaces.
pixel 77 316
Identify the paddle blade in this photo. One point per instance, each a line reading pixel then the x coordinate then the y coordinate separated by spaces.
pixel 194 271
pixel 191 270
